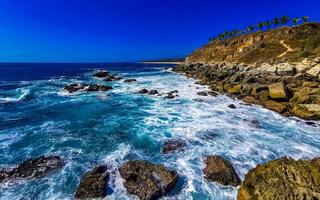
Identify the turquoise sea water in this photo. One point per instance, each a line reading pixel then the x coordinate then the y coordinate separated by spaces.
pixel 37 117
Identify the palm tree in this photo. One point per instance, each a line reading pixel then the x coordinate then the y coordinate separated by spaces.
pixel 212 39
pixel 305 19
pixel 260 25
pixel 267 24
pixel 284 20
pixel 250 28
pixel 295 20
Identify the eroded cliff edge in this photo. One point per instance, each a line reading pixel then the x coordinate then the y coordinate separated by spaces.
pixel 278 69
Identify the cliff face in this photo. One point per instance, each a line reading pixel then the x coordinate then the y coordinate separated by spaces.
pixel 278 69
pixel 283 44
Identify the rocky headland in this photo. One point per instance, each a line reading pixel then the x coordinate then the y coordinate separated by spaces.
pixel 278 69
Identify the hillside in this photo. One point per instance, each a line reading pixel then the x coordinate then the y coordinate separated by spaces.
pixel 278 69
pixel 273 46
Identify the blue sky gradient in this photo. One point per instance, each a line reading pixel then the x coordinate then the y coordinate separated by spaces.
pixel 126 30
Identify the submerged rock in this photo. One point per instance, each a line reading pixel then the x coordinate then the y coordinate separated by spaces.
pixel 220 170
pixel 146 180
pixel 74 87
pixel 96 87
pixel 32 168
pixel 172 145
pixel 93 184
pixel 232 106
pixel 169 96
pixel 130 80
pixel 143 91
pixel 284 178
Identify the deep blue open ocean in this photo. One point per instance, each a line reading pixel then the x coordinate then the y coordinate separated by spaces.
pixel 38 117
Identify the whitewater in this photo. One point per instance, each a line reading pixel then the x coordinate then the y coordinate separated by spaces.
pixel 38 117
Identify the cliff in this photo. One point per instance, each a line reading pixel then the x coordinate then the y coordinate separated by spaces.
pixel 278 69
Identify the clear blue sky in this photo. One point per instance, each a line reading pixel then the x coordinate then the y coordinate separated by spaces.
pixel 127 30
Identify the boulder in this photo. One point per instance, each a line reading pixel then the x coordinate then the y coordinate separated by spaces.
pixel 93 184
pixel 172 145
pixel 302 67
pixel 32 168
pixel 108 79
pixel 74 87
pixel 284 178
pixel 277 91
pixel 234 89
pixel 147 180
pixel 96 87
pixel 143 91
pixel 220 170
pixel 153 92
pixel 130 80
pixel 276 106
pixel 314 71
pixel 211 93
pixel 232 106
pixel 285 69
pixel 202 93
pixel 101 74
pixel 169 96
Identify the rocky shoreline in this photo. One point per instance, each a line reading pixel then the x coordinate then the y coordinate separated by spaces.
pixel 289 88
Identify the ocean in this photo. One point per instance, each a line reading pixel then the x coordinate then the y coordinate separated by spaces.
pixel 38 117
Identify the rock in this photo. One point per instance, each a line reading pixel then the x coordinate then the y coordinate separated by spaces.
pixel 96 87
pixel 32 168
pixel 250 100
pixel 146 180
pixel 202 93
pixel 211 93
pixel 220 170
pixel 234 89
pixel 169 96
pixel 93 184
pixel 232 106
pixel 143 91
pixel 277 91
pixel 74 87
pixel 276 106
pixel 153 92
pixel 101 74
pixel 107 79
pixel 314 71
pixel 302 67
pixel 285 69
pixel 310 123
pixel 172 145
pixel 284 178
pixel 130 80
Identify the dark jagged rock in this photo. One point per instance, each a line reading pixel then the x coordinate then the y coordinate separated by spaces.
pixel 232 106
pixel 96 87
pixel 153 92
pixel 284 178
pixel 146 180
pixel 74 87
pixel 211 93
pixel 32 168
pixel 101 74
pixel 143 91
pixel 169 96
pixel 172 145
pixel 93 184
pixel 220 170
pixel 108 79
pixel 130 80
pixel 202 93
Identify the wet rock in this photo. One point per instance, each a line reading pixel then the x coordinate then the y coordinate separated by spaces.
pixel 284 178
pixel 107 79
pixel 232 106
pixel 130 80
pixel 32 168
pixel 214 94
pixel 93 184
pixel 169 96
pixel 310 123
pixel 96 87
pixel 146 180
pixel 202 93
pixel 172 145
pixel 143 91
pixel 277 91
pixel 276 106
pixel 101 74
pixel 74 87
pixel 153 92
pixel 220 170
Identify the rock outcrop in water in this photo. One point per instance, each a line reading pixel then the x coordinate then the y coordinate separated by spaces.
pixel 220 170
pixel 146 180
pixel 32 168
pixel 173 145
pixel 93 184
pixel 284 178
pixel 130 80
pixel 106 75
pixel 287 82
pixel 76 87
